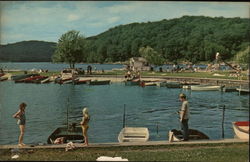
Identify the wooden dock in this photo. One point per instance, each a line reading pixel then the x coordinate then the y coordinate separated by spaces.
pixel 127 144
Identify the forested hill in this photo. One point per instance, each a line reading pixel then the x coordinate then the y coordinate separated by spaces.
pixel 193 38
pixel 190 38
pixel 27 51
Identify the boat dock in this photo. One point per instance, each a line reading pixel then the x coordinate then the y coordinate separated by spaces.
pixel 128 144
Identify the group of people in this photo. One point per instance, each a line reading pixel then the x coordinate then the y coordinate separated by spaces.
pixel 184 117
pixel 21 121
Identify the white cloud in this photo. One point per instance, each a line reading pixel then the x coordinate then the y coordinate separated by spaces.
pixel 38 20
pixel 73 17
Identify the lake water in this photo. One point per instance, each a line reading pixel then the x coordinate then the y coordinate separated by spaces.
pixel 145 107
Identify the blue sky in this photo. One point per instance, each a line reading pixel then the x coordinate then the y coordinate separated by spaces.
pixel 48 20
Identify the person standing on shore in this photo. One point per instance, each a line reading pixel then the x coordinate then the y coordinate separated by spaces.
pixel 85 126
pixel 184 116
pixel 20 115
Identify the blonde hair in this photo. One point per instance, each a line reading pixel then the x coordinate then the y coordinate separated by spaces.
pixel 85 111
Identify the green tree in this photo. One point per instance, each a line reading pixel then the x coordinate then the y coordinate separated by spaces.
pixel 243 57
pixel 70 48
pixel 152 56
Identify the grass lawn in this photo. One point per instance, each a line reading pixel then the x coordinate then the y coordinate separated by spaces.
pixel 196 152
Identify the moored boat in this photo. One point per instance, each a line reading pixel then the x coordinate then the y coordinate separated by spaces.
pixel 228 89
pixel 22 76
pixel 132 82
pixel 242 90
pixel 133 134
pixel 173 85
pixel 74 133
pixel 81 81
pixel 98 82
pixel 176 135
pixel 205 88
pixel 241 129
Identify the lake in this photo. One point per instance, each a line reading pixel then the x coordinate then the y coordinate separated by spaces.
pixel 145 107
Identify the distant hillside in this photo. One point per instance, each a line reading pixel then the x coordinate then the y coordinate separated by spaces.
pixel 192 38
pixel 27 51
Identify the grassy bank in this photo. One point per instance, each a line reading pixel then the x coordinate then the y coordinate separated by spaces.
pixel 195 152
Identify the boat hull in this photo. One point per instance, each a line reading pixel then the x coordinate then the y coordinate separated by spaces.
pixel 205 88
pixel 241 129
pixel 133 134
pixel 100 82
pixel 176 135
pixel 75 134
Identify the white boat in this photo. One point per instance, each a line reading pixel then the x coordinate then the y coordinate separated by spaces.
pixel 205 88
pixel 133 134
pixel 243 90
pixel 241 129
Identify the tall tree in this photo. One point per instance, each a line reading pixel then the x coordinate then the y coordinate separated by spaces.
pixel 152 56
pixel 70 48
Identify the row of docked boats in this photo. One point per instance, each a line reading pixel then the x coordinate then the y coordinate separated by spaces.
pixel 141 134
pixel 187 85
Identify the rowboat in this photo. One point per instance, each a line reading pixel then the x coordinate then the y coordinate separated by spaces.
pixel 133 134
pixel 147 83
pixel 241 129
pixel 3 78
pixel 205 88
pixel 22 76
pixel 243 90
pixel 173 85
pixel 78 81
pixel 228 89
pixel 176 135
pixel 132 82
pixel 72 133
pixel 98 82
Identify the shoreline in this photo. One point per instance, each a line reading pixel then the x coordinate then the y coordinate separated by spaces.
pixel 129 144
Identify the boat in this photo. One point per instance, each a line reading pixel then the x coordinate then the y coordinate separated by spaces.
pixel 132 82
pixel 242 90
pixel 148 83
pixel 34 79
pixel 173 85
pixel 98 82
pixel 21 76
pixel 133 134
pixel 228 89
pixel 205 88
pixel 80 81
pixel 176 135
pixel 3 78
pixel 241 129
pixel 46 80
pixel 71 133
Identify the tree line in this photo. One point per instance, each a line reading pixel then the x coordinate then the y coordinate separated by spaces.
pixel 189 38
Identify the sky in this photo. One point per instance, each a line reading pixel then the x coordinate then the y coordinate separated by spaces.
pixel 48 20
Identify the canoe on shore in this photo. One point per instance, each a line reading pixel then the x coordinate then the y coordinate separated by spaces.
pixel 205 88
pixel 72 134
pixel 133 134
pixel 98 82
pixel 241 129
pixel 176 135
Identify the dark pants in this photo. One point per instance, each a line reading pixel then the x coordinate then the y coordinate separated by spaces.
pixel 184 127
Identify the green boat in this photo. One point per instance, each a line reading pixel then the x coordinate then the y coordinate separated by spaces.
pixel 98 82
pixel 71 133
